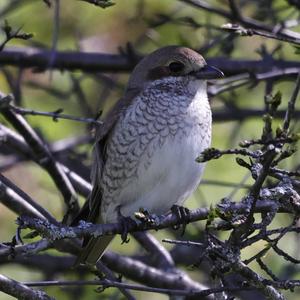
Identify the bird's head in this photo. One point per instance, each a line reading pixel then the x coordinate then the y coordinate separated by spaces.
pixel 171 61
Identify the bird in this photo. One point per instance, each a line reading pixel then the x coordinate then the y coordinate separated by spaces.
pixel 145 152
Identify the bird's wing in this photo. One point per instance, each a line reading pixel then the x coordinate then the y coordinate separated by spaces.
pixel 99 152
pixel 90 209
pixel 95 247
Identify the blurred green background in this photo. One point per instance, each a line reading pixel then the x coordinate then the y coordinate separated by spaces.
pixel 88 28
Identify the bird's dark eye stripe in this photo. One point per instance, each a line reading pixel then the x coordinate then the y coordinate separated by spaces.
pixel 176 66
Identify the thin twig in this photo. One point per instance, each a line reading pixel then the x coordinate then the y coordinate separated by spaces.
pixel 100 3
pixel 11 34
pixel 107 283
pixel 109 275
pixel 250 32
pixel 291 105
pixel 249 22
pixel 54 115
pixel 185 243
pixel 55 34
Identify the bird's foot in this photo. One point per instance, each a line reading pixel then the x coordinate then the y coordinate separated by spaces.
pixel 145 217
pixel 126 223
pixel 183 215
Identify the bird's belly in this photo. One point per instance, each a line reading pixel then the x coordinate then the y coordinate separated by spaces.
pixel 165 176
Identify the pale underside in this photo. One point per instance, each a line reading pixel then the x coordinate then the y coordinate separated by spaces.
pixel 150 156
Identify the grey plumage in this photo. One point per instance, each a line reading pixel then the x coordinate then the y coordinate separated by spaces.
pixel 144 155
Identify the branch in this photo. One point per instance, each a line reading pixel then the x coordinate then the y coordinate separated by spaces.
pixel 291 106
pixel 49 265
pixel 219 115
pixel 21 291
pixel 19 202
pixel 54 115
pixel 10 34
pixel 254 279
pixel 84 229
pixel 100 3
pixel 159 254
pixel 234 82
pixel 250 32
pixel 20 250
pixel 109 275
pixel 17 144
pixel 108 283
pixel 234 17
pixel 105 283
pixel 242 114
pixel 101 62
pixel 150 276
pixel 43 154
pixel 65 60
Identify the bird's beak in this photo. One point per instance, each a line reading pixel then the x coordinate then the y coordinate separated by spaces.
pixel 208 72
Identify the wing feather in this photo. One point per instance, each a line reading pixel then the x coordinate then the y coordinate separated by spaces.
pixel 91 210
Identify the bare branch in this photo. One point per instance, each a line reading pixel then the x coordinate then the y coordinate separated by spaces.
pixel 100 62
pixel 251 23
pixel 8 251
pixel 100 3
pixel 19 202
pixel 291 106
pixel 103 284
pixel 54 115
pixel 10 34
pixel 159 254
pixel 269 291
pixel 250 32
pixel 43 154
pixel 53 232
pixel 150 276
pixel 21 291
pixel 17 144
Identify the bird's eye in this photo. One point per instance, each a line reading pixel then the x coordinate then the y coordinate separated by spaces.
pixel 176 66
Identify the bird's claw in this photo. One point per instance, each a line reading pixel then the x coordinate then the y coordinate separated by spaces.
pixel 145 217
pixel 126 222
pixel 183 215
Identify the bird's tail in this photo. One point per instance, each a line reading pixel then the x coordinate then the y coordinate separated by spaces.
pixel 94 250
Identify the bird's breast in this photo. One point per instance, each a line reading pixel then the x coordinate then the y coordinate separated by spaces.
pixel 151 155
